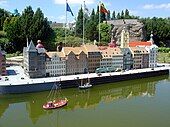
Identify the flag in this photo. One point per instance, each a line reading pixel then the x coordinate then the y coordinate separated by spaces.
pixel 103 9
pixel 69 9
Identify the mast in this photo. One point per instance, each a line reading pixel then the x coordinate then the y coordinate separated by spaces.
pixel 66 22
pixel 83 19
pixel 99 19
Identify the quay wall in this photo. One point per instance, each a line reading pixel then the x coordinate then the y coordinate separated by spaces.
pixel 115 78
pixel 37 87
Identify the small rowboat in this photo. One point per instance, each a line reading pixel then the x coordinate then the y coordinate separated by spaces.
pixel 55 104
pixel 85 86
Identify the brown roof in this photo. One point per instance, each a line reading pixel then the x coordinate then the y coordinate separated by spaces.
pixel 75 50
pixel 50 54
pixel 141 50
pixel 90 48
pixel 109 52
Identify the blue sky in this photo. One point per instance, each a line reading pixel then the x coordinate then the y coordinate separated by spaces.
pixel 55 9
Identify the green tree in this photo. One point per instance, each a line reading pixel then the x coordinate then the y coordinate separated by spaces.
pixel 122 15
pixel 102 17
pixel 28 25
pixel 91 27
pixel 16 13
pixel 118 16
pixel 3 15
pixel 127 16
pixel 105 32
pixel 108 15
pixel 79 24
pixel 113 15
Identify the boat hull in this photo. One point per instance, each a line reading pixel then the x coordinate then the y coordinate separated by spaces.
pixel 54 105
pixel 85 87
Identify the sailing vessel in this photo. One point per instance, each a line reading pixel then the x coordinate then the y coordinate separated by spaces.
pixel 85 85
pixel 55 102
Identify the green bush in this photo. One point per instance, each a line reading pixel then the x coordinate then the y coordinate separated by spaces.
pixel 164 49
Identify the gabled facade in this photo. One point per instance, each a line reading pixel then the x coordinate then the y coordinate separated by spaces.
pixel 76 60
pixel 145 57
pixel 153 50
pixel 93 56
pixel 55 64
pixel 127 58
pixel 111 57
pixel 106 60
pixel 117 58
pixel 137 57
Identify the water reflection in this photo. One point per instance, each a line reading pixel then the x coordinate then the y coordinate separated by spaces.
pixel 78 99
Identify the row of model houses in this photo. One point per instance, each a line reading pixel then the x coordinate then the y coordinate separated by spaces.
pixel 87 58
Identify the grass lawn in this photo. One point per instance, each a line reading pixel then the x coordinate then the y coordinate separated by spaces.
pixel 163 57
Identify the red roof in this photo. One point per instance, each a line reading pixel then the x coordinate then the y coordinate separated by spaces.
pixel 140 43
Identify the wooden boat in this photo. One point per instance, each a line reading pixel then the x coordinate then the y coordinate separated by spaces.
pixel 55 104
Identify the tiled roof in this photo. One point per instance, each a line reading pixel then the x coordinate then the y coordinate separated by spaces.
pixel 75 50
pixel 51 54
pixel 90 48
pixel 140 43
pixel 109 52
pixel 139 50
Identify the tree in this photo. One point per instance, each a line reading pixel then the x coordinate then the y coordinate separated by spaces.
pixel 118 16
pixel 28 25
pixel 3 15
pixel 108 16
pixel 122 15
pixel 16 13
pixel 102 17
pixel 127 16
pixel 79 24
pixel 113 15
pixel 91 27
pixel 105 32
pixel 12 28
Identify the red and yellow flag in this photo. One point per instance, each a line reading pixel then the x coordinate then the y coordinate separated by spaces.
pixel 103 9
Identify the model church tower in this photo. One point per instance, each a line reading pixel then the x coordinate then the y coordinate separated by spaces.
pixel 34 60
pixel 124 38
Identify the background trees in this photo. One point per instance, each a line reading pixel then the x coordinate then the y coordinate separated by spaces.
pixel 160 28
pixel 15 28
pixel 29 25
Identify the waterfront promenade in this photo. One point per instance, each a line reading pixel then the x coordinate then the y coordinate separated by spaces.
pixel 19 78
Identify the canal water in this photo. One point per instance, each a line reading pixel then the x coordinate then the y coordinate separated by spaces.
pixel 134 103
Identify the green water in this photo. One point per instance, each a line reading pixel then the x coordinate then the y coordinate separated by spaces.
pixel 135 103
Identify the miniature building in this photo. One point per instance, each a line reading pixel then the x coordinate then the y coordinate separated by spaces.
pixel 151 48
pixel 2 63
pixel 127 59
pixel 76 60
pixel 137 57
pixel 34 61
pixel 124 38
pixel 93 56
pixel 55 64
pixel 112 57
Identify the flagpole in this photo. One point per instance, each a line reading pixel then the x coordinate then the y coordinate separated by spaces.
pixel 99 19
pixel 83 20
pixel 66 22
